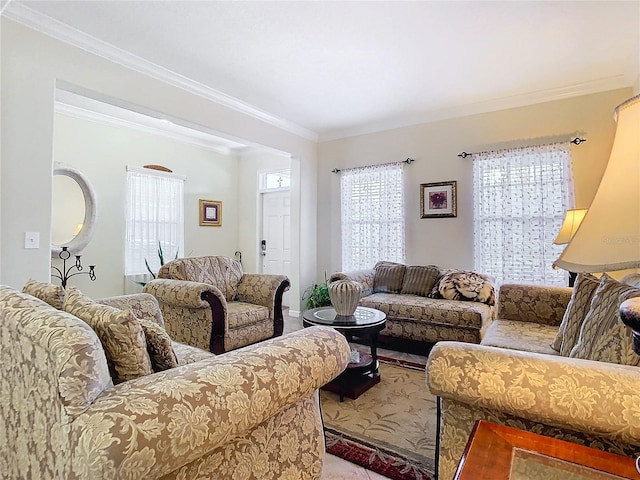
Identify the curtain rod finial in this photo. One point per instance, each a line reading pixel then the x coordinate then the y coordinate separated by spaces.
pixel 464 155
pixel 409 160
pixel 336 170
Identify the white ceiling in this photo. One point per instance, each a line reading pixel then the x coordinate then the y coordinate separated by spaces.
pixel 333 69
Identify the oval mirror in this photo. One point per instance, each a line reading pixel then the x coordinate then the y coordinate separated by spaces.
pixel 74 212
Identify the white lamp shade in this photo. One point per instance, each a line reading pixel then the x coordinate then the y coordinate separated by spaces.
pixel 609 236
pixel 572 220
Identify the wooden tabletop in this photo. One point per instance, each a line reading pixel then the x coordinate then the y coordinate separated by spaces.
pixel 494 451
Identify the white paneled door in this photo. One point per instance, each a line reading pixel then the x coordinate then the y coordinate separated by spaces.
pixel 275 246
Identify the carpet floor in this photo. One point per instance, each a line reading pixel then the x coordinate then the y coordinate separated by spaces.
pixel 390 429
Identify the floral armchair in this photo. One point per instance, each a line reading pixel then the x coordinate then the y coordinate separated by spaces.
pixel 208 302
pixel 252 413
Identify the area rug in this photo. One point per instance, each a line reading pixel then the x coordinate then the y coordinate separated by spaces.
pixel 390 429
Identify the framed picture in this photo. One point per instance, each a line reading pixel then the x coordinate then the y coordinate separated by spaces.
pixel 210 213
pixel 438 200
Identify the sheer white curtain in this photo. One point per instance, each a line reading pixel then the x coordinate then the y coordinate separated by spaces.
pixel 520 197
pixel 372 215
pixel 155 215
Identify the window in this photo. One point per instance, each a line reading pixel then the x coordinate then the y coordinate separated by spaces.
pixel 275 179
pixel 155 216
pixel 372 216
pixel 520 196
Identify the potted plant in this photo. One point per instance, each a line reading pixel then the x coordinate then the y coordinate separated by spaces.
pixel 161 258
pixel 317 295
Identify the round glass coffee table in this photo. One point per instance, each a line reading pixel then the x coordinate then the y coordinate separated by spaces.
pixel 367 323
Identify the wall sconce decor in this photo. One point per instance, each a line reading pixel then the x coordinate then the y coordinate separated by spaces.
pixel 65 274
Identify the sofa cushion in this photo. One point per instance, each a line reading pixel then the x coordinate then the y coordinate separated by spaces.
pixel 188 354
pixel 603 336
pixel 464 285
pixel 159 346
pixel 388 278
pixel 419 280
pixel 569 330
pixel 524 336
pixel 241 314
pixel 52 294
pixel 416 309
pixel 119 331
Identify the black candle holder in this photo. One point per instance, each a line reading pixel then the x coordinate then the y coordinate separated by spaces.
pixel 65 274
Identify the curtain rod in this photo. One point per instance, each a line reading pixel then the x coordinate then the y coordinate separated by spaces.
pixel 408 161
pixel 575 141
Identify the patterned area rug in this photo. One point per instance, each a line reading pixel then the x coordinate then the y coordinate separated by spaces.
pixel 389 429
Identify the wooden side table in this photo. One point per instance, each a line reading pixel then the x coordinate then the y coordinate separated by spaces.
pixel 497 452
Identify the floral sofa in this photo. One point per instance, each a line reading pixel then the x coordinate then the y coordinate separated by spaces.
pixel 80 400
pixel 556 361
pixel 210 303
pixel 426 304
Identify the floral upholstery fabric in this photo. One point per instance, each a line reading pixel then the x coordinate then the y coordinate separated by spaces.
pixel 418 317
pixel 363 277
pixel 119 331
pixel 437 311
pixel 525 336
pixel 147 310
pixel 533 303
pixel 569 330
pixel 218 316
pixel 222 272
pixel 187 354
pixel 52 294
pixel 593 403
pixel 249 414
pixel 603 336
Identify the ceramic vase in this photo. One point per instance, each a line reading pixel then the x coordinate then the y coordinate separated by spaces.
pixel 345 295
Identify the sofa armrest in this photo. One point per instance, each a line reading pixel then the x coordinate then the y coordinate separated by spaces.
pixel 533 303
pixel 364 277
pixel 183 293
pixel 261 289
pixel 582 395
pixel 150 426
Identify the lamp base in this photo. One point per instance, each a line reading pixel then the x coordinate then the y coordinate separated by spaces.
pixel 572 278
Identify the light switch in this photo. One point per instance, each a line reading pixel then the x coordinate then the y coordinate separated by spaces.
pixel 31 239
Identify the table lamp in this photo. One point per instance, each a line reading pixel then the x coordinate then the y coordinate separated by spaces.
pixel 609 236
pixel 572 220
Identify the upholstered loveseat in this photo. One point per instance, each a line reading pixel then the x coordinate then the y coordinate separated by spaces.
pixel 210 303
pixel 66 412
pixel 555 361
pixel 426 304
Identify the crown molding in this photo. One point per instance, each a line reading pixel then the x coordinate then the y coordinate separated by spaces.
pixel 75 111
pixel 28 17
pixel 496 104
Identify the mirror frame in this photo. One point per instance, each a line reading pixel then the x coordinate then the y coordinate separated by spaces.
pixel 83 237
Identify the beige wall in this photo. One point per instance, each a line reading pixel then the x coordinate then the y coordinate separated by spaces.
pixel 448 242
pixel 32 63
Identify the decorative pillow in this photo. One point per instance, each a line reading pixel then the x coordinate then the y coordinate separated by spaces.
pixel 469 286
pixel 603 336
pixel 388 278
pixel 419 280
pixel 159 346
pixel 47 292
pixel 569 330
pixel 119 331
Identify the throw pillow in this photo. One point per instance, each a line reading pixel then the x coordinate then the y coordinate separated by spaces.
pixel 159 346
pixel 577 309
pixel 388 278
pixel 119 331
pixel 419 280
pixel 603 336
pixel 52 294
pixel 469 286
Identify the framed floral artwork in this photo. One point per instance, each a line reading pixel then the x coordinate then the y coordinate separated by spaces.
pixel 210 213
pixel 438 200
